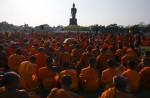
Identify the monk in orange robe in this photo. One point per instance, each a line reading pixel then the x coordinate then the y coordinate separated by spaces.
pixel 126 58
pixel 102 59
pixel 47 76
pixel 3 58
pixel 84 60
pixel 73 73
pixel 64 92
pixel 11 83
pixel 15 60
pixel 108 74
pixel 34 50
pixel 40 58
pixel 28 77
pixel 89 77
pixel 145 73
pixel 119 89
pixel 96 51
pixel 132 77
pixel 63 57
pixel 76 53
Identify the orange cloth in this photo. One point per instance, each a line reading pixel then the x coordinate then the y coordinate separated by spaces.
pixel 76 54
pixel 48 78
pixel 129 57
pixel 107 77
pixel 58 93
pixel 145 77
pixel 75 81
pixel 40 60
pixel 133 79
pixel 64 57
pixel 89 79
pixel 114 93
pixel 84 60
pixel 14 62
pixel 102 60
pixel 28 78
pixel 34 51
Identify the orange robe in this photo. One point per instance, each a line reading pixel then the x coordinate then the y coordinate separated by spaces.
pixel 133 80
pixel 145 77
pixel 114 93
pixel 102 61
pixel 76 54
pixel 75 81
pixel 89 79
pixel 128 57
pixel 40 60
pixel 14 62
pixel 107 77
pixel 28 77
pixel 64 57
pixel 48 78
pixel 58 93
pixel 84 60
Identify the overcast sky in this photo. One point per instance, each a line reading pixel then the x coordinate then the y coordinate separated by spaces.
pixel 89 12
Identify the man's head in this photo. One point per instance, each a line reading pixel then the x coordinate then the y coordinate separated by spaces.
pixel 131 64
pixel 11 80
pixel 32 59
pixel 66 65
pixel 66 81
pixel 41 50
pixel 119 82
pixel 18 51
pixel 1 47
pixel 49 61
pixel 89 49
pixel 92 62
pixel 111 63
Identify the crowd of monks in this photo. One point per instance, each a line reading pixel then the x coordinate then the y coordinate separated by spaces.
pixel 113 63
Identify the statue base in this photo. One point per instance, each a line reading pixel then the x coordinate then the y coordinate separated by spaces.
pixel 73 21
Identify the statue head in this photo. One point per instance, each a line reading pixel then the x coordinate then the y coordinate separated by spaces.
pixel 73 5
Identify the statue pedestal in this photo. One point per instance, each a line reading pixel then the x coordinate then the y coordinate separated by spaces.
pixel 73 21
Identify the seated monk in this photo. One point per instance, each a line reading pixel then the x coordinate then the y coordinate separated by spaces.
pixel 124 60
pixel 47 75
pixel 15 60
pixel 145 74
pixel 84 60
pixel 28 77
pixel 89 77
pixel 73 73
pixel 119 89
pixel 3 58
pixel 108 74
pixel 96 51
pixel 64 92
pixel 132 77
pixel 63 57
pixel 102 59
pixel 11 83
pixel 40 58
pixel 76 53
pixel 34 50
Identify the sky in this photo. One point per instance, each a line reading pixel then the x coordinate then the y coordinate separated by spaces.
pixel 89 12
